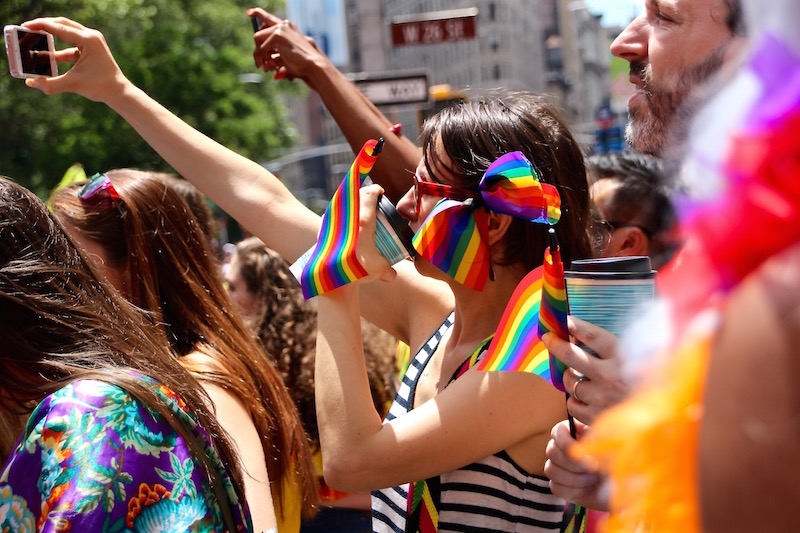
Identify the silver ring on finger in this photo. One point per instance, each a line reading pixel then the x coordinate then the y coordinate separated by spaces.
pixel 575 388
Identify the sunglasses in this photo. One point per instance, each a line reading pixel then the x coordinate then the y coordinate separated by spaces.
pixel 440 190
pixel 99 188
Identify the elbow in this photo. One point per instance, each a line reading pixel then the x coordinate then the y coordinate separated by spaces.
pixel 345 472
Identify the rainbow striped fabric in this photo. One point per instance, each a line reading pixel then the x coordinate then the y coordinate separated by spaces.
pixel 538 306
pixel 512 186
pixel 453 237
pixel 553 309
pixel 333 263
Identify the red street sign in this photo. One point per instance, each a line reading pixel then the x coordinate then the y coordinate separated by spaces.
pixel 438 27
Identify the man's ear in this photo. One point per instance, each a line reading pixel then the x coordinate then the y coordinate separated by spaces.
pixel 633 242
pixel 498 226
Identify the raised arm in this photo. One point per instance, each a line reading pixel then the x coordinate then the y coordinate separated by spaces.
pixel 256 198
pixel 243 188
pixel 480 414
pixel 282 48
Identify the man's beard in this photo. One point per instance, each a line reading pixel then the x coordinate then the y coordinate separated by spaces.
pixel 669 112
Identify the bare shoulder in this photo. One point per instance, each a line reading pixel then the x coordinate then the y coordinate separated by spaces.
pixel 752 411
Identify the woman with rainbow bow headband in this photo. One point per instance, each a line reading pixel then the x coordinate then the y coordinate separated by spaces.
pixel 453 236
pixel 481 216
pixel 474 447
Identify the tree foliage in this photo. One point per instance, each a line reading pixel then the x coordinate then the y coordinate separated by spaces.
pixel 189 55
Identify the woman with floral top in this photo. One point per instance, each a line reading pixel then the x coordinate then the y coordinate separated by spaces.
pixel 102 446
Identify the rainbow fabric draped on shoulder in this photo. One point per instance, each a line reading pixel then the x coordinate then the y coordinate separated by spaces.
pixel 538 306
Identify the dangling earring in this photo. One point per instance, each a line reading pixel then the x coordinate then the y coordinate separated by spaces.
pixel 491 270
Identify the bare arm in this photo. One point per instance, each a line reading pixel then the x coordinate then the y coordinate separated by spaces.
pixel 246 190
pixel 281 47
pixel 751 426
pixel 480 414
pixel 236 422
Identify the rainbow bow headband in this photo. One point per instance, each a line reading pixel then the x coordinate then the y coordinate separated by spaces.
pixel 453 236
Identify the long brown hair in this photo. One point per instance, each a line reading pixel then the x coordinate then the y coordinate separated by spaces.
pixel 174 276
pixel 62 323
pixel 475 133
pixel 286 325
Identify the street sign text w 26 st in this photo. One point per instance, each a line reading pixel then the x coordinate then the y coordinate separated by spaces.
pixel 433 28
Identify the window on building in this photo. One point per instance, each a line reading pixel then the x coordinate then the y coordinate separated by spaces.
pixel 494 43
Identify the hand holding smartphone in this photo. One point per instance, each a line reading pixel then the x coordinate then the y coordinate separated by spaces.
pixel 31 54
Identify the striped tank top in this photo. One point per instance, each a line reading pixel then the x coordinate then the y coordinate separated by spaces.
pixel 493 494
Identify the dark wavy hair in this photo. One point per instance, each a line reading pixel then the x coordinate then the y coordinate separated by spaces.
pixel 62 322
pixel 476 132
pixel 286 325
pixel 153 234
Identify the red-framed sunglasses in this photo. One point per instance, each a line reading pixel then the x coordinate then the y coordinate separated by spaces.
pixel 430 188
pixel 99 188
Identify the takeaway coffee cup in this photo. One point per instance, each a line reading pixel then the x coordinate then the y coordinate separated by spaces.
pixel 609 292
pixel 393 237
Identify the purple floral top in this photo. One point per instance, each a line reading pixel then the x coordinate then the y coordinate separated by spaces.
pixel 93 458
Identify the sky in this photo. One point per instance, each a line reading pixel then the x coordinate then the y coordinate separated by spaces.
pixel 616 12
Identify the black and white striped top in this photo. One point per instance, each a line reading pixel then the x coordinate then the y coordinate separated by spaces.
pixel 493 494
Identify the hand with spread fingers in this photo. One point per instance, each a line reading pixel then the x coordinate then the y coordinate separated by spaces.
pixel 594 380
pixel 575 481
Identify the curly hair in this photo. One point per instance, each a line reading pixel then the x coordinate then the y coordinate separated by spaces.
pixel 286 326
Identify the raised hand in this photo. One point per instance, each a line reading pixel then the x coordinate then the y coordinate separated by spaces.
pixel 280 47
pixel 95 74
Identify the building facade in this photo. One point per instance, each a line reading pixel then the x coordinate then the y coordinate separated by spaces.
pixel 554 47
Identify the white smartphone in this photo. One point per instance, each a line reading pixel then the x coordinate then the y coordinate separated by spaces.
pixel 31 54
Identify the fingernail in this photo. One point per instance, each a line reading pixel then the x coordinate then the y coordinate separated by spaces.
pixel 397 129
pixel 279 75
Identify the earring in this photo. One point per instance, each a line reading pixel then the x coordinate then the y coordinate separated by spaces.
pixel 491 270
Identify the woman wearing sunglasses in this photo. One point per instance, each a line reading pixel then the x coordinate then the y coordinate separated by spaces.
pixel 474 447
pixel 111 432
pixel 149 244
